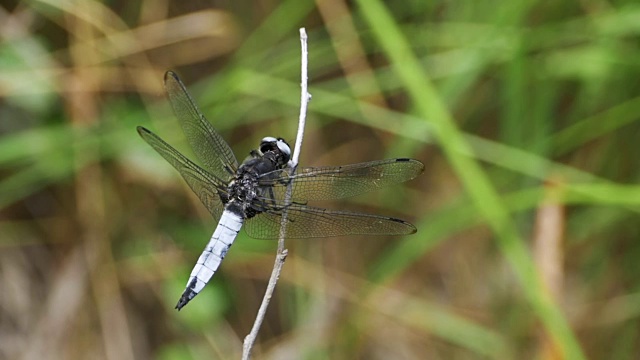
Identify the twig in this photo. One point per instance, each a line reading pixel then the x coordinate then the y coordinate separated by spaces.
pixel 249 341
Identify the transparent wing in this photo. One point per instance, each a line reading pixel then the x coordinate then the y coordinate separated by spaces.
pixel 308 222
pixel 206 186
pixel 214 153
pixel 336 182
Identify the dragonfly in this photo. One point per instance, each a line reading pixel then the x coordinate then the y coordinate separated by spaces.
pixel 252 194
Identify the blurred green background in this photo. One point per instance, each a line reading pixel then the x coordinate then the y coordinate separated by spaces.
pixel 524 113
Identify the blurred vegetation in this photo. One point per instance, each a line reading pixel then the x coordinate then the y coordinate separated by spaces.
pixel 525 114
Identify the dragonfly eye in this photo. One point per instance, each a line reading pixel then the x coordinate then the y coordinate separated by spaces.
pixel 272 144
pixel 267 140
pixel 284 149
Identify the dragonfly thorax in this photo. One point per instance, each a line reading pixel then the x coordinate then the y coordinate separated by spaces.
pixel 244 190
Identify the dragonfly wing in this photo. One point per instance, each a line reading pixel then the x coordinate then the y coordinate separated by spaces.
pixel 309 222
pixel 207 144
pixel 336 182
pixel 206 186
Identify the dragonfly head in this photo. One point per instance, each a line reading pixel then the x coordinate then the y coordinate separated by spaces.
pixel 277 146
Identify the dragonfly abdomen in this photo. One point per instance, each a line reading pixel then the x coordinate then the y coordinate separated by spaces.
pixel 210 259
